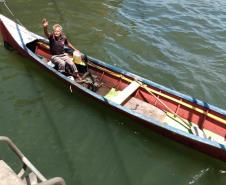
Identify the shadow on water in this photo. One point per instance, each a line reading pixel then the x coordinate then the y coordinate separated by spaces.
pixel 31 70
pixel 58 137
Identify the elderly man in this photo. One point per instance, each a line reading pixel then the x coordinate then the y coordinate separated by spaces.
pixel 57 41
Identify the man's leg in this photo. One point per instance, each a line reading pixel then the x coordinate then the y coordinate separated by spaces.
pixel 69 61
pixel 59 61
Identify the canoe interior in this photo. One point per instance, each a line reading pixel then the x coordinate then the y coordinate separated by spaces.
pixel 152 102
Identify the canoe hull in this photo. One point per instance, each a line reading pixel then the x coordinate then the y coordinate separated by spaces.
pixel 203 145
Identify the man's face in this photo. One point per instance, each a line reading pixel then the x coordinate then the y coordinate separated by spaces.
pixel 57 32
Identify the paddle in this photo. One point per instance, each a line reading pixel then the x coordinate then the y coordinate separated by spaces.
pixel 187 125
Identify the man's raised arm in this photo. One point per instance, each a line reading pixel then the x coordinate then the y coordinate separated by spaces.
pixel 45 25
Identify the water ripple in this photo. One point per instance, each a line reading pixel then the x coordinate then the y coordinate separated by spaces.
pixel 185 40
pixel 196 178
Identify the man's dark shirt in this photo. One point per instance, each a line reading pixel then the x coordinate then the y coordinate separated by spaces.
pixel 57 44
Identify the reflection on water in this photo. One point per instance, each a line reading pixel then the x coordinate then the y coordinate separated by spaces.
pixel 177 44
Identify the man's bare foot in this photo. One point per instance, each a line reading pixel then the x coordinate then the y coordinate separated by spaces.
pixel 76 76
pixel 80 81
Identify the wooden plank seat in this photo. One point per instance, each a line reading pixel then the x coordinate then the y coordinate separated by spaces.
pixel 43 45
pixel 145 108
pixel 121 96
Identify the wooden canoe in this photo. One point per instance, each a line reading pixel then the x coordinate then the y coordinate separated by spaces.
pixel 180 117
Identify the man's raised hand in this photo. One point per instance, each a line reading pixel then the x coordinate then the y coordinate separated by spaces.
pixel 45 23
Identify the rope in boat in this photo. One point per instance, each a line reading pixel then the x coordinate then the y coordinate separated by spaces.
pixel 11 12
pixel 188 126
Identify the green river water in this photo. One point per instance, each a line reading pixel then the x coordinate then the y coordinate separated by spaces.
pixel 179 44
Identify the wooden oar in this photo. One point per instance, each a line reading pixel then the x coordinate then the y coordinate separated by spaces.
pixel 187 126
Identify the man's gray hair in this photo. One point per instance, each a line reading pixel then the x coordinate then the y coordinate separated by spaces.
pixel 57 25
